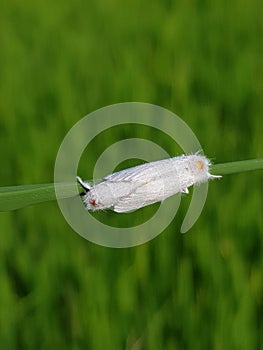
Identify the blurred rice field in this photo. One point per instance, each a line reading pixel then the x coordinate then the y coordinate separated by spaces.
pixel 202 60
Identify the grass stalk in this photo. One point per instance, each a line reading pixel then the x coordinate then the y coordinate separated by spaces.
pixel 15 197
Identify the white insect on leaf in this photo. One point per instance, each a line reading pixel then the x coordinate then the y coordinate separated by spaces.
pixel 145 184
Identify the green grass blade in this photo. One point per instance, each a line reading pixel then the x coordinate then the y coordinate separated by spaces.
pixel 237 167
pixel 15 197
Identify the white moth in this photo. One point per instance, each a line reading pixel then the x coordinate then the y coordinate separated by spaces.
pixel 145 184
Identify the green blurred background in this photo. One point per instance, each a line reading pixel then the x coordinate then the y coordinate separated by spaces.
pixel 59 61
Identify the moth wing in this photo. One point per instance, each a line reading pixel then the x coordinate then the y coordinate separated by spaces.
pixel 126 204
pixel 141 173
pixel 130 203
pixel 146 194
pixel 132 174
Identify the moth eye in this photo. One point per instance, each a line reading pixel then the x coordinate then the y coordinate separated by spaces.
pixel 200 165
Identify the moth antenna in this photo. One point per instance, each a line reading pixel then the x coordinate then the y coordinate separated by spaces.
pixel 86 187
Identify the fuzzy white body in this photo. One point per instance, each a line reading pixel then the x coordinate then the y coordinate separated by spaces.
pixel 145 184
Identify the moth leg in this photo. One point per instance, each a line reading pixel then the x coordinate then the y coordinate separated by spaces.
pixel 185 190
